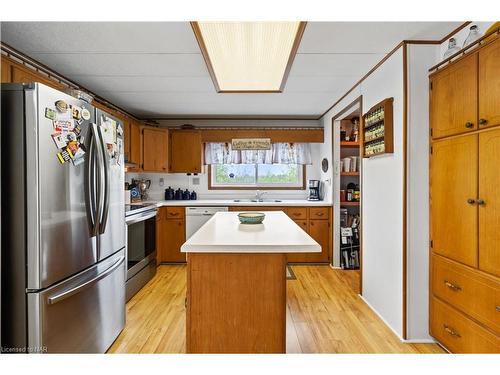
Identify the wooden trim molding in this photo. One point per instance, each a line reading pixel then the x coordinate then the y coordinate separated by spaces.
pixel 211 187
pixel 405 192
pixel 203 48
pixel 292 135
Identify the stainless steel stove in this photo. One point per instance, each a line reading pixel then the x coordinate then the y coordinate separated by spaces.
pixel 141 246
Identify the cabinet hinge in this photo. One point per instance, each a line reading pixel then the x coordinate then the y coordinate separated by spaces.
pixel 431 243
pixel 431 150
pixel 430 85
pixel 430 130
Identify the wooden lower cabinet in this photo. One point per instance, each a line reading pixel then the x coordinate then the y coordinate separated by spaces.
pixel 458 333
pixel 170 236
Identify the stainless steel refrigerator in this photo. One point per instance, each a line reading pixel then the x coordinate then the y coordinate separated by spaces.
pixel 63 230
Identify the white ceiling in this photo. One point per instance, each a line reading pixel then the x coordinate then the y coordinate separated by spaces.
pixel 155 69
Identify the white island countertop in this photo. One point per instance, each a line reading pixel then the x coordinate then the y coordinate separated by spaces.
pixel 224 233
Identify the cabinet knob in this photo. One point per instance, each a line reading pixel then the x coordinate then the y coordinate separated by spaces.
pixel 483 121
pixel 471 201
pixel 469 125
pixel 480 202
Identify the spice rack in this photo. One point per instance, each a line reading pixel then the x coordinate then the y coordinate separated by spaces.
pixel 378 129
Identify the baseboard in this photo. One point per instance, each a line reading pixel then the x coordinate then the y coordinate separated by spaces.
pixel 381 317
pixel 419 341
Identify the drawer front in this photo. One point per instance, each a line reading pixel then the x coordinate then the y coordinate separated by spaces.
pixel 458 333
pixel 467 290
pixel 175 212
pixel 321 213
pixel 297 213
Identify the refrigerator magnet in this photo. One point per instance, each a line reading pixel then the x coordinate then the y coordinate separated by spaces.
pixel 76 112
pixel 59 139
pixel 85 114
pixel 50 113
pixel 119 130
pixel 78 157
pixel 71 137
pixel 77 130
pixel 64 156
pixel 64 125
pixel 73 146
pixel 62 106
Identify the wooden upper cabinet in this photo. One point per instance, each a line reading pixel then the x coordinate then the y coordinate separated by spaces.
pixel 155 149
pixel 453 98
pixel 6 70
pixel 489 212
pixel 453 191
pixel 185 151
pixel 21 74
pixel 489 85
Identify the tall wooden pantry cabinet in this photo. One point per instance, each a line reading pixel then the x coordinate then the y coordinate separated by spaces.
pixel 465 201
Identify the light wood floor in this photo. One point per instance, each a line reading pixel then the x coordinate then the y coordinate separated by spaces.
pixel 324 315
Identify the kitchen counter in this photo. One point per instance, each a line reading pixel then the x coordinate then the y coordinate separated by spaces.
pixel 223 233
pixel 242 202
pixel 236 283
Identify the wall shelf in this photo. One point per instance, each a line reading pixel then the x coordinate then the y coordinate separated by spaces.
pixel 349 144
pixel 349 204
pixel 377 129
pixel 349 173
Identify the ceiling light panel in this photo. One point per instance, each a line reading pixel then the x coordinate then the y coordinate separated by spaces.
pixel 249 56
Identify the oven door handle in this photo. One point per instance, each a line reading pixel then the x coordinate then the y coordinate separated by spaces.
pixel 140 218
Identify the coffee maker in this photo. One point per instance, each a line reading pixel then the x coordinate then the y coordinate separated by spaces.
pixel 314 187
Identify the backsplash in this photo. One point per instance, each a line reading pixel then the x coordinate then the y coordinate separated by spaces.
pixel 199 183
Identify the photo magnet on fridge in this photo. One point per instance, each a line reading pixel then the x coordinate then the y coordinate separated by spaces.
pixel 50 113
pixel 59 139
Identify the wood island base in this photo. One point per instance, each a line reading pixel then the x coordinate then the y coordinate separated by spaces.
pixel 236 303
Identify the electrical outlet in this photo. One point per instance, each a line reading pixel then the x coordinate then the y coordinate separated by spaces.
pixel 196 181
pixel 162 181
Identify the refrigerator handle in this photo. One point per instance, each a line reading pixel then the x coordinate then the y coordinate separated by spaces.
pixel 98 173
pixel 68 293
pixel 105 169
pixel 90 193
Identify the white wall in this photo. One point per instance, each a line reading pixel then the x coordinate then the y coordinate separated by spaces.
pixel 420 58
pixel 382 184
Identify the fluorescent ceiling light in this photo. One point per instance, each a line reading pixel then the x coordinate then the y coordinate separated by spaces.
pixel 248 56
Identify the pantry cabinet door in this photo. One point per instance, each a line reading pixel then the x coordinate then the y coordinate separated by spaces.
pixel 453 98
pixel 453 183
pixel 6 70
pixel 489 212
pixel 489 85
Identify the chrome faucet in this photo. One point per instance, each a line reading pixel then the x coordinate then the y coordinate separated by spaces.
pixel 259 194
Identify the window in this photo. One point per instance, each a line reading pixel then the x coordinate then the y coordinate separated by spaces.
pixel 254 176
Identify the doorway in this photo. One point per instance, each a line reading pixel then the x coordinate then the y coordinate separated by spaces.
pixel 347 189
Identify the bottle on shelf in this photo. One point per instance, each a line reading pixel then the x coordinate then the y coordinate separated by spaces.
pixel 452 48
pixel 473 35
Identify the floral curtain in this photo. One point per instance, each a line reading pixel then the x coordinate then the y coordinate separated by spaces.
pixel 280 153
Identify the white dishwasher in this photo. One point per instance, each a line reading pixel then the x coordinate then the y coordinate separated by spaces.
pixel 197 216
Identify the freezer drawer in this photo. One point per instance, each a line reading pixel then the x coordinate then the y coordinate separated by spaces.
pixel 83 314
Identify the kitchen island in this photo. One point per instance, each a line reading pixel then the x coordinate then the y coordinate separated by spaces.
pixel 236 283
